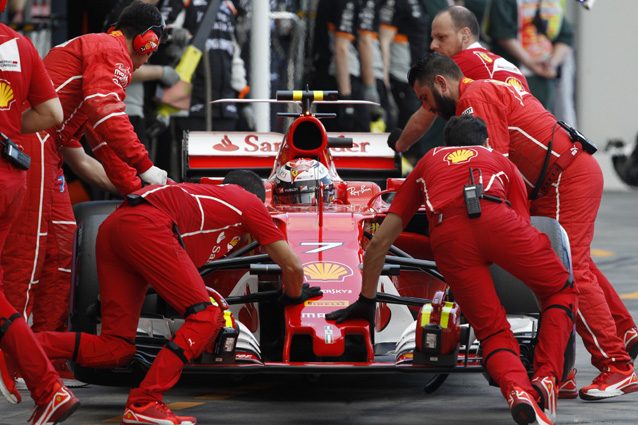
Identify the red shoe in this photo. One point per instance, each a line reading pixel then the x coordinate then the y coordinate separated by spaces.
pixel 546 388
pixel 524 409
pixel 631 342
pixel 568 389
pixel 62 403
pixel 154 413
pixel 610 383
pixel 8 383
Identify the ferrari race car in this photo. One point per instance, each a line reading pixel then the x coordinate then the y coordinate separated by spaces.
pixel 419 328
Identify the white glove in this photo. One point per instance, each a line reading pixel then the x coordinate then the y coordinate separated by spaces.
pixel 154 175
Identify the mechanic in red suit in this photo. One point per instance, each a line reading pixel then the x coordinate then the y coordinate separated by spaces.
pixel 160 237
pixel 455 33
pixel 564 182
pixel 464 248
pixel 90 74
pixel 23 78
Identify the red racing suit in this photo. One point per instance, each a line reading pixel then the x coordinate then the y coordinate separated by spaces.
pixel 464 248
pixel 478 63
pixel 141 245
pixel 90 74
pixel 570 192
pixel 23 78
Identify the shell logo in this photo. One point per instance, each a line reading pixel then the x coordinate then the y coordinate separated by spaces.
pixel 6 95
pixel 485 57
pixel 326 271
pixel 460 156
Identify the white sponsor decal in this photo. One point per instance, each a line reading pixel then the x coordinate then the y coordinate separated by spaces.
pixel 305 315
pixel 217 143
pixel 322 246
pixel 122 75
pixel 336 291
pixel 358 190
pixel 468 111
pixel 10 56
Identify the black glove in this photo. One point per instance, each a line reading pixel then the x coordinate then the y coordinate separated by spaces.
pixel 307 291
pixel 363 308
pixel 393 137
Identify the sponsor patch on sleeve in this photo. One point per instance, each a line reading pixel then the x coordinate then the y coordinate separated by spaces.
pixel 468 111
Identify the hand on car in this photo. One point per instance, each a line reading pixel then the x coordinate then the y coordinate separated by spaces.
pixel 363 308
pixel 307 292
pixel 154 175
pixel 393 138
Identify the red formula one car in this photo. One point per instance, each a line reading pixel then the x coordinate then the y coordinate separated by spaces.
pixel 418 327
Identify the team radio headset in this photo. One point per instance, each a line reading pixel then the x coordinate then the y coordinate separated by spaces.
pixel 147 41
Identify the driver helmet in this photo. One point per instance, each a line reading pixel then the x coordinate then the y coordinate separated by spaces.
pixel 297 182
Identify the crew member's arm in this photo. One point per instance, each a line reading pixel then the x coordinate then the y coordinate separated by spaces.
pixel 562 45
pixel 104 79
pixel 365 48
pixel 42 116
pixel 46 110
pixel 342 45
pixel 292 275
pixel 386 35
pixel 147 72
pixel 416 127
pixel 374 257
pixel 404 206
pixel 87 168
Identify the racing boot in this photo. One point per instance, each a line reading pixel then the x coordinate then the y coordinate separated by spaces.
pixel 631 342
pixel 8 382
pixel 546 388
pixel 568 389
pixel 524 409
pixel 154 413
pixel 611 383
pixel 60 405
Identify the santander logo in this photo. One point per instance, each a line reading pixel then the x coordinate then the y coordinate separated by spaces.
pixel 225 145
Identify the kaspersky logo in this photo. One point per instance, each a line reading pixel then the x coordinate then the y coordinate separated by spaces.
pixel 460 156
pixel 225 145
pixel 6 95
pixel 326 271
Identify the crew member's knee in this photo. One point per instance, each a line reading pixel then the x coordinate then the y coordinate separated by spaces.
pixel 198 332
pixel 565 299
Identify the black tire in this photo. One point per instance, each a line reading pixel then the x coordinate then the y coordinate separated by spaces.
pixel 519 299
pixel 85 287
pixel 514 295
pixel 434 382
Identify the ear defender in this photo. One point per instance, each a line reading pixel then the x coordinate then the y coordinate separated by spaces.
pixel 146 42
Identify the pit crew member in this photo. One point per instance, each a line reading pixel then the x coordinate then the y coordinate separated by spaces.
pixel 160 237
pixel 455 33
pixel 90 74
pixel 23 78
pixel 564 182
pixel 464 245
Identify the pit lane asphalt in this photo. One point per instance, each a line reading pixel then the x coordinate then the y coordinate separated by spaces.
pixel 386 399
